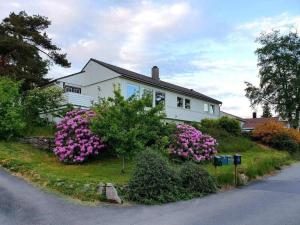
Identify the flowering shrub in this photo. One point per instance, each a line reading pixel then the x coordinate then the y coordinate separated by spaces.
pixel 74 141
pixel 265 132
pixel 190 143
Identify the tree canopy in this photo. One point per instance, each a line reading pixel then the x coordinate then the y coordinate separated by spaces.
pixel 279 73
pixel 26 51
pixel 266 110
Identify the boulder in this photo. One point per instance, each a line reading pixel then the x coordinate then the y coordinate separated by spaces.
pixel 101 188
pixel 112 194
pixel 242 179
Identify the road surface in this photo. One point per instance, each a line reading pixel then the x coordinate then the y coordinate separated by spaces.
pixel 273 201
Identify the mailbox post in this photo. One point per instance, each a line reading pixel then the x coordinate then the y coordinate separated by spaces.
pixel 237 160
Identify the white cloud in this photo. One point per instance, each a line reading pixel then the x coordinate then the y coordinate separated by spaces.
pixel 283 22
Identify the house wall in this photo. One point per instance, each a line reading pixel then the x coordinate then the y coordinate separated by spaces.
pixel 93 73
pixel 196 113
pixel 97 81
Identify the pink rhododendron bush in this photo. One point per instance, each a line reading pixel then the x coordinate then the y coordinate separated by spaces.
pixel 74 141
pixel 190 143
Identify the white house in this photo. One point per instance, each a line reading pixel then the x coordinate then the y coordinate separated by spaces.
pixel 98 79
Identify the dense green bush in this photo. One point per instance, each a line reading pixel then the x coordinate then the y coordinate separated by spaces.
pixel 232 126
pixel 283 141
pixel 40 103
pixel 153 181
pixel 11 119
pixel 195 179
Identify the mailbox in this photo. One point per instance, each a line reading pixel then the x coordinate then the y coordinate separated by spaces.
pixel 217 161
pixel 224 160
pixel 229 159
pixel 237 159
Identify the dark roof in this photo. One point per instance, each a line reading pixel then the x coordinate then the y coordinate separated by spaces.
pixel 150 81
pixel 254 122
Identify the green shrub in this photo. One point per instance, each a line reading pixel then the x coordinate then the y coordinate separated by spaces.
pixel 44 102
pixel 153 181
pixel 232 126
pixel 209 123
pixel 195 179
pixel 11 109
pixel 283 141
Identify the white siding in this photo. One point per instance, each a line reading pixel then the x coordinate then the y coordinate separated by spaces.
pixel 93 73
pixel 97 81
pixel 85 101
pixel 196 113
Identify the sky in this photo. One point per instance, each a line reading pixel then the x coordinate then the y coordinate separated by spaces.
pixel 206 45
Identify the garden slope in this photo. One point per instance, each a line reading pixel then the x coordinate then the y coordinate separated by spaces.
pixel 80 181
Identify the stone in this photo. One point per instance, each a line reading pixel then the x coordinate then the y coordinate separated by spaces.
pixel 242 179
pixel 101 188
pixel 112 194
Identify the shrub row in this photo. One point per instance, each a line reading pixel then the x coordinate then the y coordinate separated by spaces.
pixel 276 135
pixel 155 181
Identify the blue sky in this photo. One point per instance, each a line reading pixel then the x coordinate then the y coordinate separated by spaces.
pixel 205 45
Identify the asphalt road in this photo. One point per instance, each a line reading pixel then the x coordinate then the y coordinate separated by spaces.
pixel 275 200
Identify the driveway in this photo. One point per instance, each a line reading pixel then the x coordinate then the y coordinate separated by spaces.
pixel 275 200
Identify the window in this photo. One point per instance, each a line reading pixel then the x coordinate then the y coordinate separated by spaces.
pixel 132 90
pixel 148 92
pixel 68 88
pixel 159 97
pixel 179 102
pixel 205 107
pixel 211 109
pixel 187 103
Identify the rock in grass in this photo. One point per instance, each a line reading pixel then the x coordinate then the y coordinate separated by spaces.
pixel 101 188
pixel 242 179
pixel 112 194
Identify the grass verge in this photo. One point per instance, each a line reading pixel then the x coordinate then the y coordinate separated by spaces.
pixel 80 181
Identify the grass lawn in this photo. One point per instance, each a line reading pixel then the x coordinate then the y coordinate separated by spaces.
pixel 80 181
pixel 43 168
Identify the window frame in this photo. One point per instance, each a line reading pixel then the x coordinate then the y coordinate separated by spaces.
pixel 136 94
pixel 182 102
pixel 186 104
pixel 164 100
pixel 72 89
pixel 150 92
pixel 204 107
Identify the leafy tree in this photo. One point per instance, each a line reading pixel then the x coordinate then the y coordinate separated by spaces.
pixel 127 126
pixel 279 72
pixel 11 119
pixel 266 110
pixel 43 102
pixel 23 43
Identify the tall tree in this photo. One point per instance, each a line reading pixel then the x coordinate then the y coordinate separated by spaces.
pixel 26 51
pixel 266 110
pixel 279 72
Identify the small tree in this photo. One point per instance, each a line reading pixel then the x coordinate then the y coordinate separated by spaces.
pixel 43 101
pixel 127 125
pixel 11 119
pixel 266 110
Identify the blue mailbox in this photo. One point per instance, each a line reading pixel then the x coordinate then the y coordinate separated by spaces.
pixel 224 160
pixel 229 159
pixel 237 159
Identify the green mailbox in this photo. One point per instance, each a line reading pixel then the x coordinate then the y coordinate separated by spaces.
pixel 217 161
